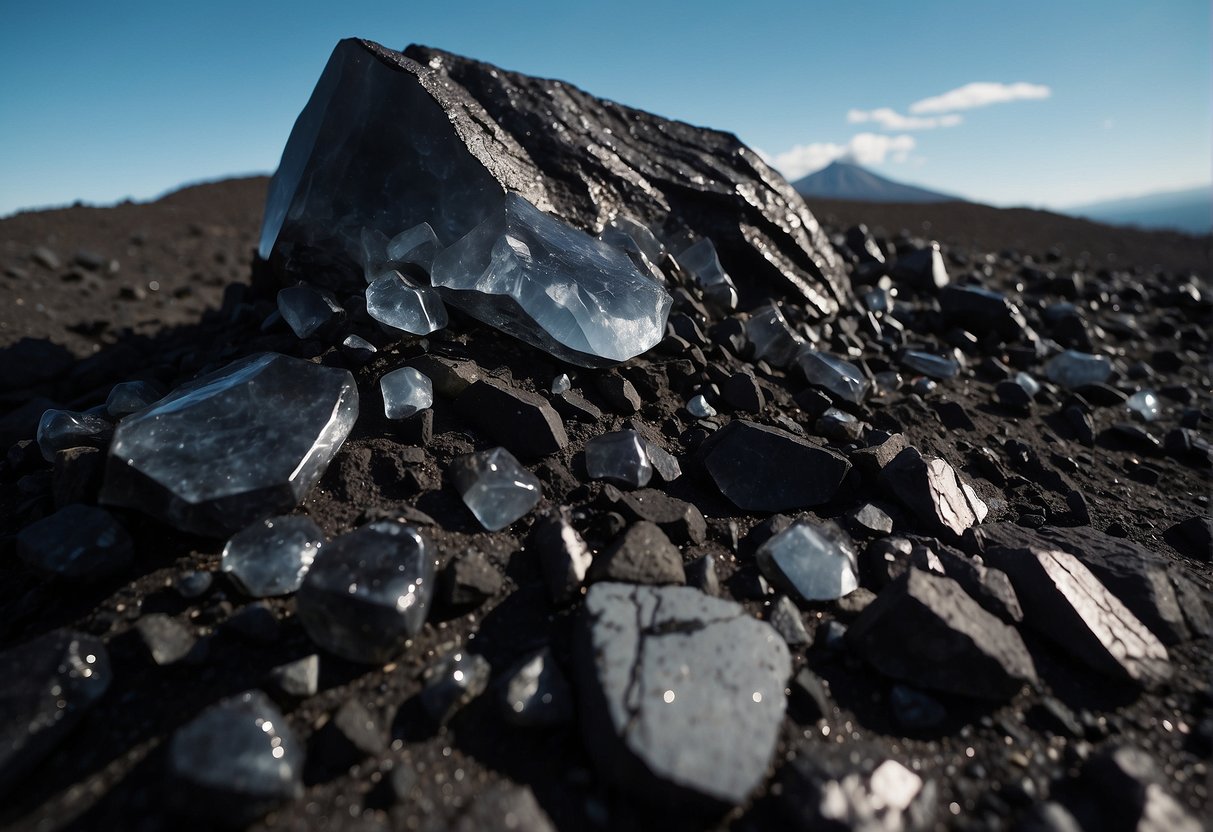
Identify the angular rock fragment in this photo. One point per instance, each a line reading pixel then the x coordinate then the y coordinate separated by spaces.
pixel 59 430
pixel 923 629
pixel 452 682
pixel 552 286
pixel 641 555
pixel 535 692
pixel 272 556
pixel 166 639
pixel 664 463
pixel 760 468
pixel 357 350
pixel 234 446
pixel 1125 789
pixel 980 310
pixel 522 421
pixel 400 303
pixel 406 392
pixel 76 543
pixel 785 618
pixel 235 761
pixel 130 397
pixel 298 679
pixel 468 581
pixel 682 695
pixel 682 521
pixel 1064 602
pixel 353 733
pixel 50 684
pixel 772 338
pixel 564 557
pixel 701 261
pixel 621 457
pixel 922 268
pixel 495 487
pixel 417 245
pixel 607 160
pixel 701 574
pixel 1145 404
pixel 812 562
pixel 306 310
pixel 841 378
pixel 368 592
pixel 1076 369
pixel 1145 582
pixel 932 366
pixel 1192 537
pixel 933 490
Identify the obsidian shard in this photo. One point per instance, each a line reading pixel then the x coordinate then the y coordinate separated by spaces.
pixel 553 286
pixel 390 140
pixel 235 446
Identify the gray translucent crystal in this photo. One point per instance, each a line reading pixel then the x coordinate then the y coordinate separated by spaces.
pixel 1145 404
pixel 701 261
pixel 417 245
pixel 932 366
pixel 272 556
pixel 235 761
pixel 50 683
pixel 368 592
pixel 536 692
pixel 564 557
pixel 496 488
pixel 399 303
pixel 234 446
pixel 305 310
pixel 130 397
pixel 699 408
pixel 405 393
pixel 773 339
pixel 639 235
pixel 1076 369
pixel 561 384
pixel 78 543
pixel 452 682
pixel 842 378
pixel 621 457
pixel 548 284
pixel 814 563
pixel 358 350
pixel 59 430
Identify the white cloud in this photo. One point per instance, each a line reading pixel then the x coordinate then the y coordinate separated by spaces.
pixel 890 119
pixel 862 148
pixel 979 94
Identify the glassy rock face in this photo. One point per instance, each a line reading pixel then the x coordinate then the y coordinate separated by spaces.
pixel 272 556
pixel 452 682
pixel 495 487
pixel 235 761
pixel 932 366
pixel 234 446
pixel 417 245
pixel 397 302
pixel 761 468
pixel 77 543
pixel 50 683
pixel 815 563
pixel 1144 404
pixel 59 430
pixel 701 261
pixel 388 141
pixel 1076 369
pixel 384 145
pixel 842 378
pixel 405 392
pixel 773 340
pixel 557 288
pixel 368 591
pixel 305 310
pixel 535 692
pixel 682 695
pixel 131 396
pixel 621 457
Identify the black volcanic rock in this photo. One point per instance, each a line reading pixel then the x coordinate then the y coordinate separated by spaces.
pixel 390 140
pixel 761 468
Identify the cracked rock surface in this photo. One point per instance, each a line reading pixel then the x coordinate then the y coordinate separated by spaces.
pixel 681 694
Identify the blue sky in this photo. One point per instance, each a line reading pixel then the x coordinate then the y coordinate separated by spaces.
pixel 100 101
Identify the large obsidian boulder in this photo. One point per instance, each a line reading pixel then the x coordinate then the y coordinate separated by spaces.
pixel 389 140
